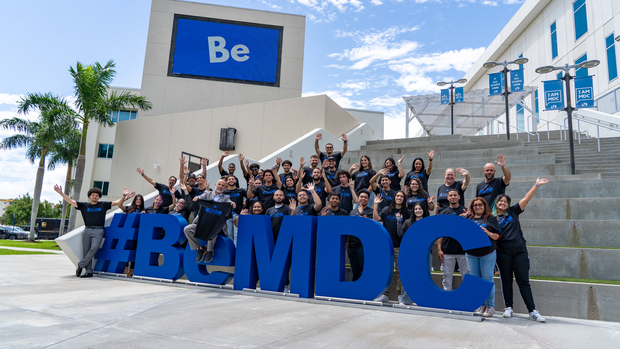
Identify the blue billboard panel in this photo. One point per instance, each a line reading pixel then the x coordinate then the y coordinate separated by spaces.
pixel 584 92
pixel 554 95
pixel 214 49
pixel 495 84
pixel 458 95
pixel 516 80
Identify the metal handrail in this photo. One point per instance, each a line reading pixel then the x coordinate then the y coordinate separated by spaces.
pixel 518 129
pixel 577 133
pixel 562 128
pixel 598 124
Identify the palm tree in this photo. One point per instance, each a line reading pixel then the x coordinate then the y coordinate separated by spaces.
pixel 94 102
pixel 65 153
pixel 55 120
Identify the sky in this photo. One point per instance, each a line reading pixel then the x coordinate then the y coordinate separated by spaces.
pixel 364 54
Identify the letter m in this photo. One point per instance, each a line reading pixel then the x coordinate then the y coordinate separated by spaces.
pixel 258 254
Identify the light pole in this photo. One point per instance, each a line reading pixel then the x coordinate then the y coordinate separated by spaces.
pixel 444 83
pixel 569 108
pixel 489 65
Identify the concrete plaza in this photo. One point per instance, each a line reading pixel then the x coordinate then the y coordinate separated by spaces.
pixel 43 305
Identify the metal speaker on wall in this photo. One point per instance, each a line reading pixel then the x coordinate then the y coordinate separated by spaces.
pixel 227 138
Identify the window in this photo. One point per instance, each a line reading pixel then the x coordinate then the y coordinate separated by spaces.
pixel 581 20
pixel 103 186
pixel 105 151
pixel 520 118
pixel 612 66
pixel 554 41
pixel 123 115
pixel 581 71
pixel 536 114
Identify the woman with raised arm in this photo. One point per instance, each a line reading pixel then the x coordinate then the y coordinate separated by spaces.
pixel 395 174
pixel 362 173
pixel 512 256
pixel 417 195
pixel 418 170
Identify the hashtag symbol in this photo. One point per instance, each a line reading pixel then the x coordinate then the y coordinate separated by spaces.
pixel 119 245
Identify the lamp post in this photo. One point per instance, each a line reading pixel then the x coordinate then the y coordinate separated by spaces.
pixel 444 83
pixel 489 65
pixel 569 108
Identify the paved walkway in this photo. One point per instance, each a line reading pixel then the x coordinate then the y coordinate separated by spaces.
pixel 43 305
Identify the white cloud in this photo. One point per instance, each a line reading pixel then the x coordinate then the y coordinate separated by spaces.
pixel 387 101
pixel 276 7
pixel 513 2
pixel 375 46
pixel 376 2
pixel 489 3
pixel 10 99
pixel 356 86
pixel 340 5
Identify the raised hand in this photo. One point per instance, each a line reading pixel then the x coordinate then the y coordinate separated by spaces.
pixel 173 190
pixel 246 163
pixel 431 154
pixel 302 162
pixel 57 188
pixel 241 157
pixel 431 199
pixel 185 170
pixel 501 160
pixel 351 184
pixel 244 212
pixel 462 171
pixel 140 171
pixel 183 187
pixel 279 160
pixel 343 137
pixel 355 166
pixel 208 184
pixel 310 187
pixel 204 162
pixel 318 136
pixel 182 160
pixel 292 205
pixel 541 181
pixel 378 199
pixel 383 171
pixel 324 211
pixel 130 195
pixel 400 161
pixel 325 164
pixel 225 154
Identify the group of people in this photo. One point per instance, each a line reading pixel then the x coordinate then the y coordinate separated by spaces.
pixel 323 189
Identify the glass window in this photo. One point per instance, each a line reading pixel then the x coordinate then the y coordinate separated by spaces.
pixel 123 115
pixel 581 71
pixel 554 41
pixel 103 186
pixel 520 118
pixel 536 114
pixel 612 66
pixel 581 19
pixel 105 151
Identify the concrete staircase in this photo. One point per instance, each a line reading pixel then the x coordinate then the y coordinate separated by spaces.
pixel 572 225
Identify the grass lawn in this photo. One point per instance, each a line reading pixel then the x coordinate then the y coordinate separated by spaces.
pixel 45 245
pixel 5 251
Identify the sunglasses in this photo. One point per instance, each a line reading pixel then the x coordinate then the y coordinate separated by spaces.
pixel 478 205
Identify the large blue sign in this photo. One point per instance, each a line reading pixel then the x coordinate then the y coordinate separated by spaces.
pixel 445 96
pixel 516 80
pixel 311 249
pixel 554 95
pixel 222 50
pixel 458 95
pixel 584 92
pixel 495 83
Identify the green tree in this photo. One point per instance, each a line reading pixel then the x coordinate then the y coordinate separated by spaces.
pixel 21 207
pixel 94 102
pixel 56 118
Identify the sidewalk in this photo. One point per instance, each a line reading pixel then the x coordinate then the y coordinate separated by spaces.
pixel 43 304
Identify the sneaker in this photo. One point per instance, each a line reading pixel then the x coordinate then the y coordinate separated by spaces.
pixel 78 271
pixel 382 298
pixel 286 290
pixel 535 315
pixel 480 310
pixel 507 312
pixel 488 312
pixel 208 256
pixel 199 255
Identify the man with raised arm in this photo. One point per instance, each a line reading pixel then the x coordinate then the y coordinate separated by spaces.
pixel 452 183
pixel 93 213
pixel 236 195
pixel 492 187
pixel 304 206
pixel 314 163
pixel 164 190
pixel 191 178
pixel 329 149
pixel 322 187
pixel 346 190
pixel 231 168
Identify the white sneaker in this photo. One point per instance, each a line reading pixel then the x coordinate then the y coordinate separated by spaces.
pixel 286 290
pixel 488 312
pixel 508 312
pixel 535 315
pixel 382 298
pixel 480 310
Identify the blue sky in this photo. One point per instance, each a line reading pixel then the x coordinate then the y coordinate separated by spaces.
pixel 364 54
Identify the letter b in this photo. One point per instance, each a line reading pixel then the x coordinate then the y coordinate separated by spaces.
pixel 216 44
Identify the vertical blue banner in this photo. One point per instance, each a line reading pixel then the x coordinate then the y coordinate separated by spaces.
pixel 458 95
pixel 516 80
pixel 445 96
pixel 554 95
pixel 584 92
pixel 495 84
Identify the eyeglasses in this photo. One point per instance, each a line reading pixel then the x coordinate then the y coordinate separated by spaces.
pixel 329 147
pixel 478 205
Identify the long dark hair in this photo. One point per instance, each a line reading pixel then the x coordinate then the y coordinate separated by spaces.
pixel 413 165
pixel 160 205
pixel 394 166
pixel 369 162
pixel 403 207
pixel 412 219
pixel 133 207
pixel 261 205
pixel 420 193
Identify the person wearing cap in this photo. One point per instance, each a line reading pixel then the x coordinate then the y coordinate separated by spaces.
pixel 329 150
pixel 231 169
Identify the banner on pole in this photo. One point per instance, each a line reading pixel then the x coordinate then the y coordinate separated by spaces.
pixel 554 95
pixel 516 80
pixel 495 84
pixel 445 96
pixel 458 95
pixel 584 92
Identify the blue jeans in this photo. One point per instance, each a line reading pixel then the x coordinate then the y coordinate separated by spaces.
pixel 231 229
pixel 483 267
pixel 356 258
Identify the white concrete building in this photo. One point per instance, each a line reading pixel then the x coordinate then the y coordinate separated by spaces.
pixel 4 203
